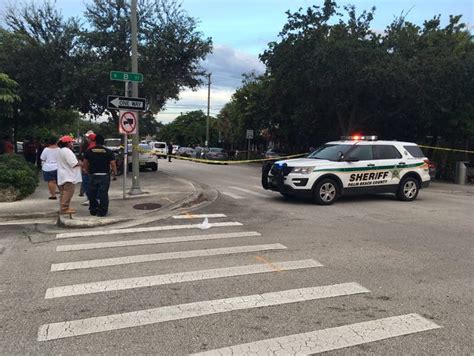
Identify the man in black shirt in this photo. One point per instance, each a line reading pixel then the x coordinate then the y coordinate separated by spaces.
pixel 98 162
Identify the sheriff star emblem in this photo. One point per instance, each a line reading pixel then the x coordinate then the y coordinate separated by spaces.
pixel 396 173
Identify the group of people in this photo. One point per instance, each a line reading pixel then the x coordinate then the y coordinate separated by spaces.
pixel 61 168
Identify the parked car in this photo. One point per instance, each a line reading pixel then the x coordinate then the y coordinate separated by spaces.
pixel 216 154
pixel 186 152
pixel 147 158
pixel 160 149
pixel 275 153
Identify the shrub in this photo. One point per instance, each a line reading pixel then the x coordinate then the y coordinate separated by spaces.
pixel 17 173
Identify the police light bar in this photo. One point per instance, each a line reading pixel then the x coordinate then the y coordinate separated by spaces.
pixel 359 138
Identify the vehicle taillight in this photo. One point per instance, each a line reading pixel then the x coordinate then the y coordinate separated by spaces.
pixel 430 163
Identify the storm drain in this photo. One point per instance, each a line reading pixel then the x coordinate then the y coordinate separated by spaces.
pixel 147 206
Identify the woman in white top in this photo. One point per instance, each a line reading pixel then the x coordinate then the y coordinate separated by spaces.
pixel 69 173
pixel 49 159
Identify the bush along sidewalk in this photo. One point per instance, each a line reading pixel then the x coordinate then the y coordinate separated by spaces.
pixel 18 178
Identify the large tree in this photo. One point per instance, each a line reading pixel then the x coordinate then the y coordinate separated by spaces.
pixel 170 48
pixel 330 74
pixel 64 64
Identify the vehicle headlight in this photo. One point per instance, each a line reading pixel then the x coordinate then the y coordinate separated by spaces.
pixel 302 170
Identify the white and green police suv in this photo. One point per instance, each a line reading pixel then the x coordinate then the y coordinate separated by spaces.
pixel 353 165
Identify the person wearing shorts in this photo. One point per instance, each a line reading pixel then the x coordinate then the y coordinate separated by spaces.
pixel 49 167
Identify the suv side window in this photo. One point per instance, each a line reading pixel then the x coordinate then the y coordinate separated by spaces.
pixel 362 153
pixel 386 152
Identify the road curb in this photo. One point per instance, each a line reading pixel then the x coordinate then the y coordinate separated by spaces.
pixel 25 216
pixel 65 222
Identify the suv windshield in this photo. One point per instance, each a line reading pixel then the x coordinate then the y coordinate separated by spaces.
pixel 330 152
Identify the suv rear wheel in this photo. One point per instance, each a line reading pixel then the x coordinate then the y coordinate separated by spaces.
pixel 408 189
pixel 325 192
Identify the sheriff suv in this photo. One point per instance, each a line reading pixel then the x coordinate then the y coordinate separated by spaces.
pixel 353 165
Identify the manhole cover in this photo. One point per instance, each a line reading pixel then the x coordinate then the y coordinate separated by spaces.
pixel 147 206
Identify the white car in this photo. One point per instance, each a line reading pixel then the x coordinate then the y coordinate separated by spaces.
pixel 353 165
pixel 147 158
pixel 160 149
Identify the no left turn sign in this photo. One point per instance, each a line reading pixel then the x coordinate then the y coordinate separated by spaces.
pixel 128 121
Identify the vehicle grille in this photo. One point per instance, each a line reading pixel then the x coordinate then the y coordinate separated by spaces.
pixel 283 170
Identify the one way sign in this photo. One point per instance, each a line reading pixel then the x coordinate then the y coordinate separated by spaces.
pixel 123 102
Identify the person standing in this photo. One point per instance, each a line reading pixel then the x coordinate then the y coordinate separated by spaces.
pixel 88 143
pixel 170 150
pixel 29 150
pixel 99 161
pixel 49 159
pixel 69 173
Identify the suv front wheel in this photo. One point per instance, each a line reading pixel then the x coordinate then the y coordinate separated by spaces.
pixel 408 189
pixel 325 192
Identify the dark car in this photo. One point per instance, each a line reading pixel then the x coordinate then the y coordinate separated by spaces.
pixel 216 154
pixel 275 153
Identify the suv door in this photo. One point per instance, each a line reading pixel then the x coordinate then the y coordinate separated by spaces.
pixel 388 158
pixel 357 167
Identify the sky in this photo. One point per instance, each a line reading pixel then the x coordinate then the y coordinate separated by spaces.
pixel 242 29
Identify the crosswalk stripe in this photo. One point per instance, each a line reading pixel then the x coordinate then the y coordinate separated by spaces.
pixel 184 311
pixel 142 229
pixel 249 191
pixel 161 240
pixel 162 256
pixel 235 196
pixel 332 338
pixel 196 216
pixel 162 279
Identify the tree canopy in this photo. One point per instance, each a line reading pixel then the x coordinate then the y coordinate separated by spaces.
pixel 63 64
pixel 331 74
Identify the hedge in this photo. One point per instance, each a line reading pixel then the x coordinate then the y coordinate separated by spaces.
pixel 17 173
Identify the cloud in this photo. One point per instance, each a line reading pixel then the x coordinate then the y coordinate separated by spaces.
pixel 226 66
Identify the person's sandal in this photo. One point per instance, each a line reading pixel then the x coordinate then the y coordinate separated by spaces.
pixel 52 198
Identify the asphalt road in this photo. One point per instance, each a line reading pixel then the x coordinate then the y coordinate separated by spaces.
pixel 379 258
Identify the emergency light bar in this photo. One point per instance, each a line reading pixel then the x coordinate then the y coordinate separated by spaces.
pixel 359 138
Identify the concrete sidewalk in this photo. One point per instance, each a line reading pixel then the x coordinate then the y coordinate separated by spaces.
pixel 451 188
pixel 161 192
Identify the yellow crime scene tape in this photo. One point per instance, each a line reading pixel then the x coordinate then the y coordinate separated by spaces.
pixel 446 149
pixel 237 162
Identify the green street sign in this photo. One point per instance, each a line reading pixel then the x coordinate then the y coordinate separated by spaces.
pixel 126 76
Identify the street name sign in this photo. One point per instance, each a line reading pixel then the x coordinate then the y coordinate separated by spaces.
pixel 124 102
pixel 128 121
pixel 126 76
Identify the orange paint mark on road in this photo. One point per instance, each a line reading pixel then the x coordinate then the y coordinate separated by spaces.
pixel 269 264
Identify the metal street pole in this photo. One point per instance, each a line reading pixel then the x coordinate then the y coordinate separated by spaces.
pixel 135 189
pixel 208 107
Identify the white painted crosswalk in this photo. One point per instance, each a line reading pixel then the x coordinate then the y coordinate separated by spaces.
pixel 161 240
pixel 306 342
pixel 332 338
pixel 141 229
pixel 183 311
pixel 115 261
pixel 198 216
pixel 232 195
pixel 149 281
pixel 251 192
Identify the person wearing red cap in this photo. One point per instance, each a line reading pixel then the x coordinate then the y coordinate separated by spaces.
pixel 69 173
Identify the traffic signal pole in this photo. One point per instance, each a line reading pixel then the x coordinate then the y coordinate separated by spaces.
pixel 135 189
